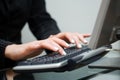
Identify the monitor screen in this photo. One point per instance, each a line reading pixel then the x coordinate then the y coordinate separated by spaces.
pixel 107 22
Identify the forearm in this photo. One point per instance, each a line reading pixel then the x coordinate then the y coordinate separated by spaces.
pixel 45 28
pixel 40 22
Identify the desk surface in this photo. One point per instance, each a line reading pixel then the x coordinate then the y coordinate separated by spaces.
pixel 83 73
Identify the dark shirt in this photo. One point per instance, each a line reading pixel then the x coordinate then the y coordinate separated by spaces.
pixel 13 16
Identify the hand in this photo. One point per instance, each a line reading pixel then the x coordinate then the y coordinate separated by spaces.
pixel 75 38
pixel 54 43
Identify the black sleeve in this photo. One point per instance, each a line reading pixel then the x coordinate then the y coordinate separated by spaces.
pixel 40 22
pixel 5 63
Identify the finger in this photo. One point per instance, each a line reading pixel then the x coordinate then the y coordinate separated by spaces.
pixel 51 45
pixel 60 49
pixel 82 39
pixel 45 44
pixel 61 42
pixel 77 41
pixel 86 35
pixel 69 37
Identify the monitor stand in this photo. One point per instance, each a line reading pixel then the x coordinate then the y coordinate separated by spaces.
pixel 109 62
pixel 106 63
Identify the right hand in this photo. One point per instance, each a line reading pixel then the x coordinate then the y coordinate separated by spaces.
pixel 53 43
pixel 31 49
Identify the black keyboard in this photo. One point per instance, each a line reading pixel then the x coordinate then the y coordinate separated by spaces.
pixel 54 60
pixel 56 57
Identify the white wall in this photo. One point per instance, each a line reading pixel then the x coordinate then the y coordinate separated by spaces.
pixel 71 16
pixel 74 15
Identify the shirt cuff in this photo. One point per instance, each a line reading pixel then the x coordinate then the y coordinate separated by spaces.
pixel 5 63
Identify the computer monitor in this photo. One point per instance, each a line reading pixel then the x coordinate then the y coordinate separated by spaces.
pixel 104 32
pixel 107 22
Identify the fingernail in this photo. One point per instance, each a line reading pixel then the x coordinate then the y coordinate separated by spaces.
pixel 72 41
pixel 79 46
pixel 56 48
pixel 67 45
pixel 64 53
pixel 85 41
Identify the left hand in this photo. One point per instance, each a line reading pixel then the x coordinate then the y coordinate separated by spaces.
pixel 70 37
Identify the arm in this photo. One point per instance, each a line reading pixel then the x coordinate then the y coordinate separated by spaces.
pixel 40 22
pixel 42 26
pixel 10 53
pixel 54 43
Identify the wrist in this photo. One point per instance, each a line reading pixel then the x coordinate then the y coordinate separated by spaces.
pixel 9 51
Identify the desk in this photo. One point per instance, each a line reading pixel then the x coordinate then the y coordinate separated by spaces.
pixel 83 73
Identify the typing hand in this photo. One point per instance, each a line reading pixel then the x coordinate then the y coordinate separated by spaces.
pixel 75 38
pixel 53 43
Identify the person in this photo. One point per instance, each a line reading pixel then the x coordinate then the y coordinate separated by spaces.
pixel 13 16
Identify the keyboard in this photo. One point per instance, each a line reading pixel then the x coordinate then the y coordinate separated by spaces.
pixel 55 61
